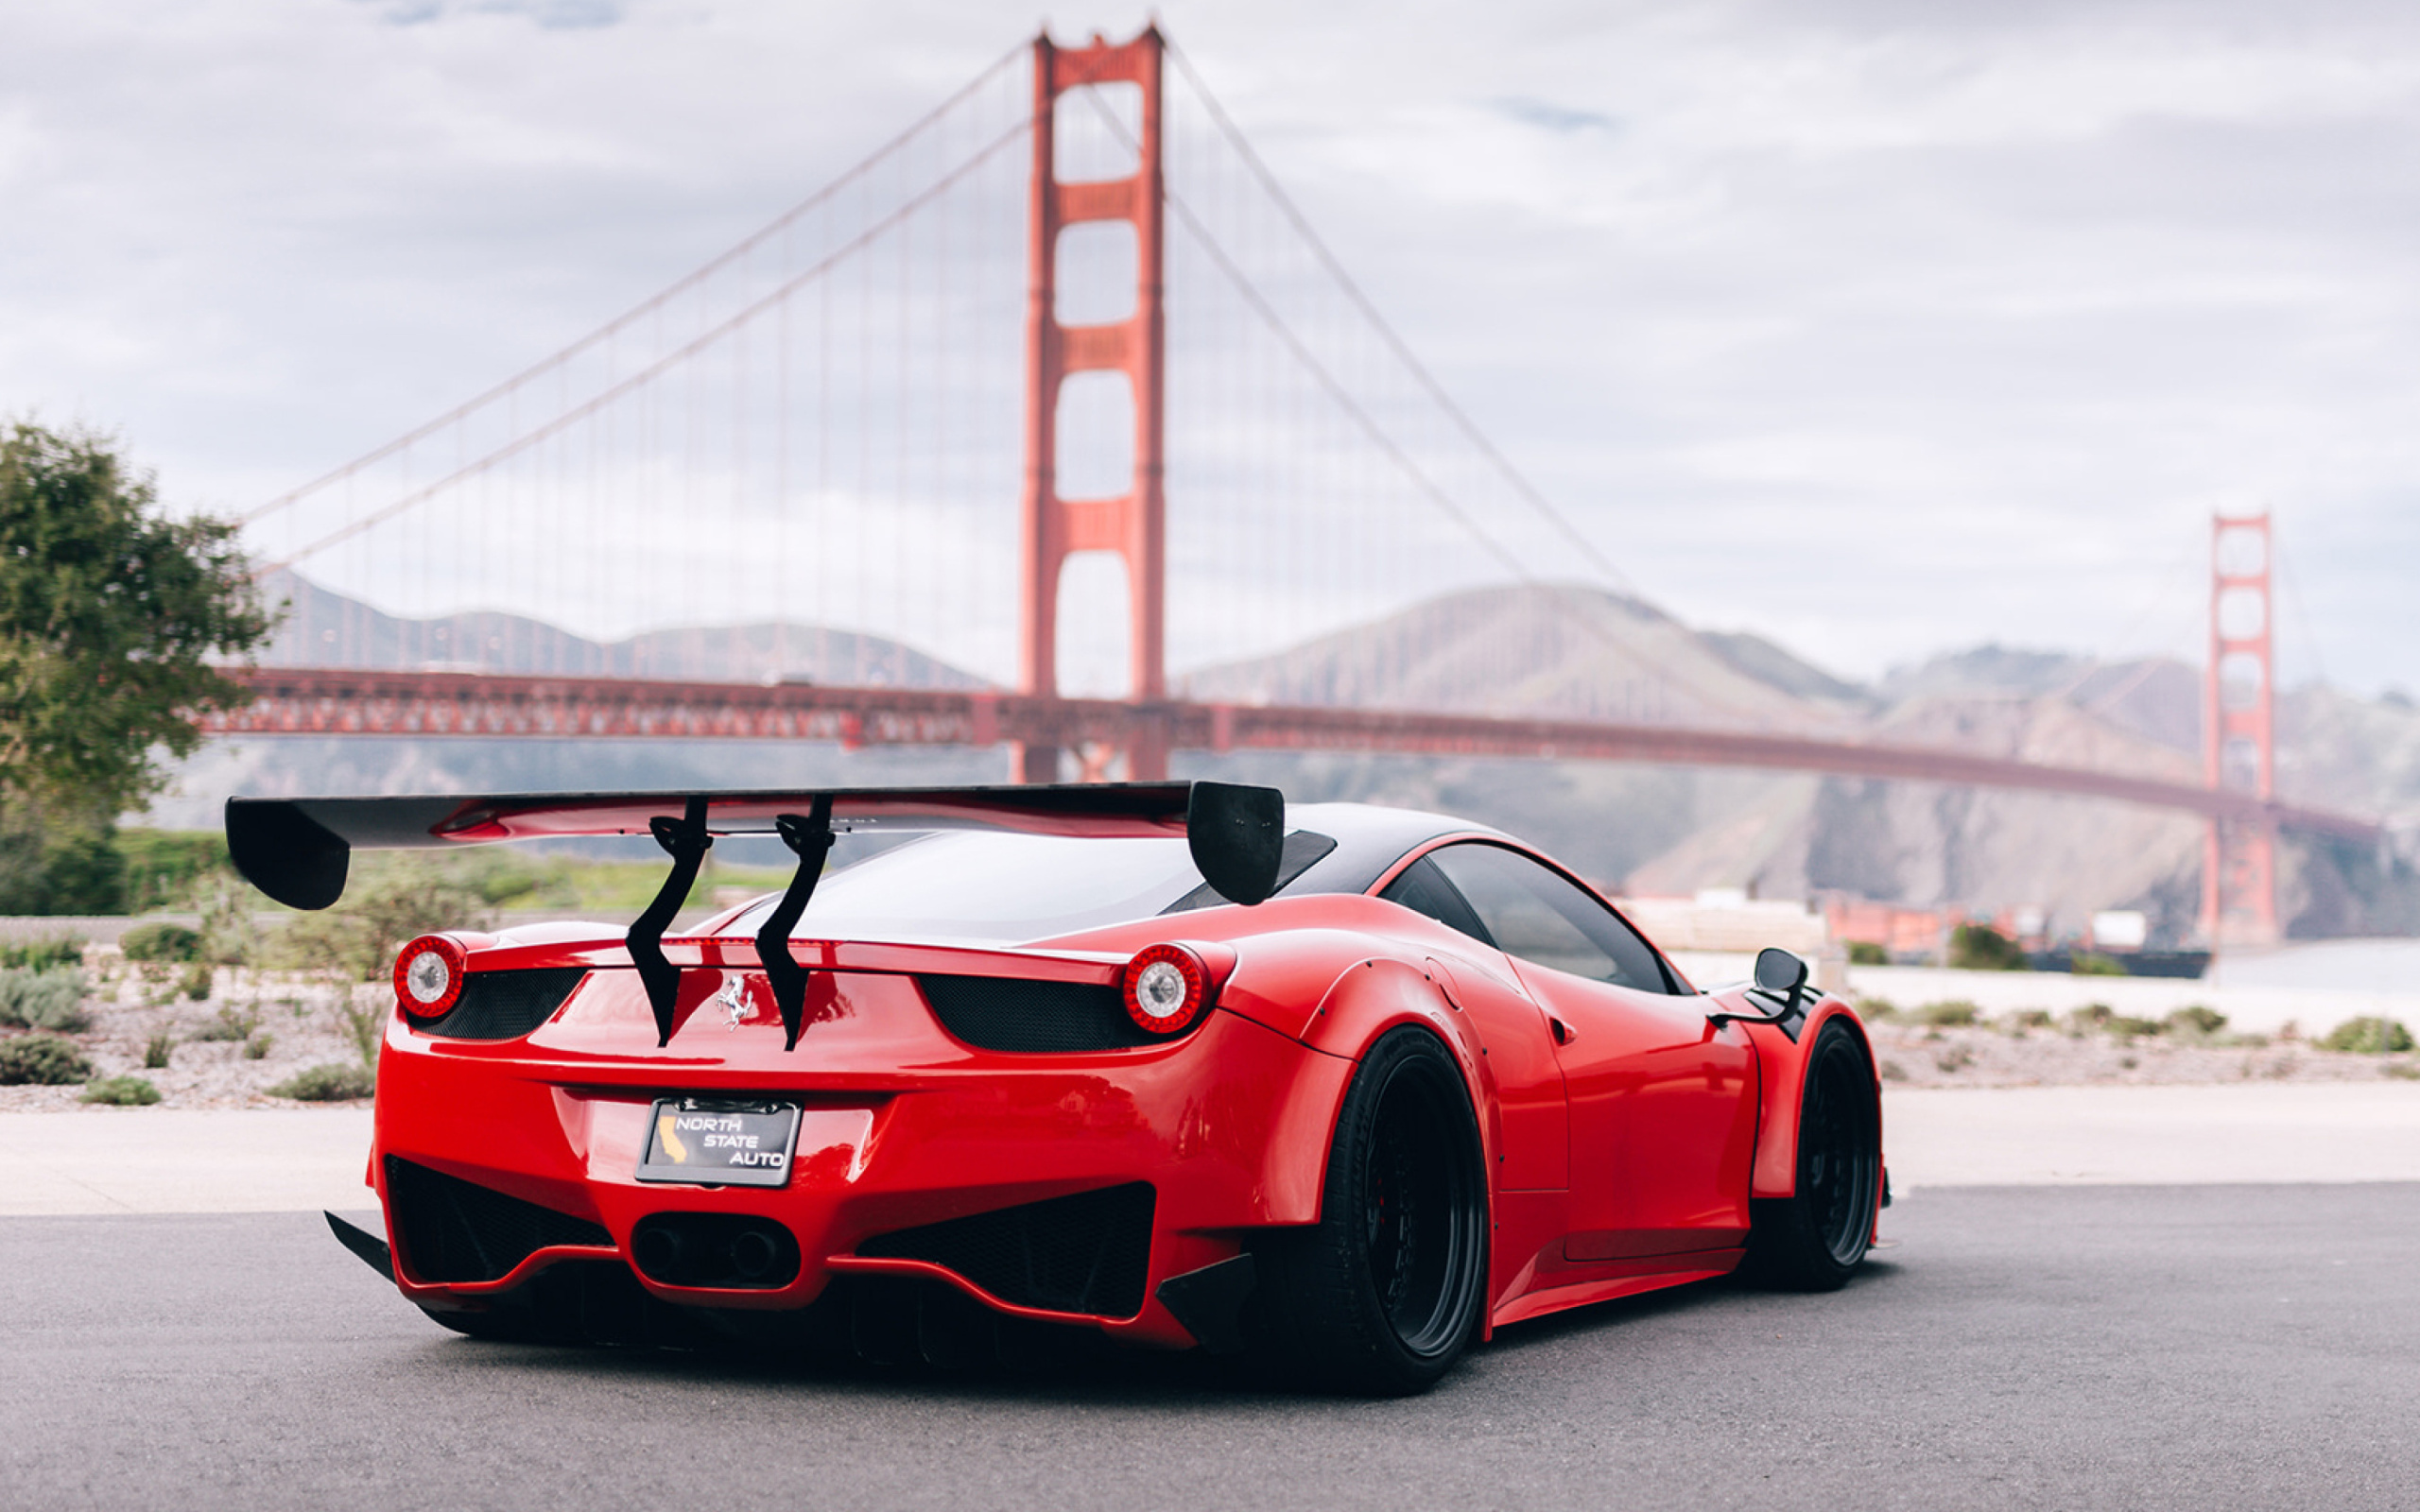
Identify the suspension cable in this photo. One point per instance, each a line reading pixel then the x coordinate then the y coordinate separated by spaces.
pixel 1387 333
pixel 664 363
pixel 779 224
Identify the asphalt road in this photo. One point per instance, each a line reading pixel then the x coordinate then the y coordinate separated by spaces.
pixel 2186 1347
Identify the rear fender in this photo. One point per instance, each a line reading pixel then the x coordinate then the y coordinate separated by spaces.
pixel 1369 1000
pixel 1783 1065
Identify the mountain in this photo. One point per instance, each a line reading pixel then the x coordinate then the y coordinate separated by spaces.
pixel 326 629
pixel 1555 651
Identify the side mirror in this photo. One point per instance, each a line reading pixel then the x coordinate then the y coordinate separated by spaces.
pixel 1780 975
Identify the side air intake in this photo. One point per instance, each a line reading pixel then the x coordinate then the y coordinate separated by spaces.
pixel 1009 1013
pixel 457 1230
pixel 1090 1253
pixel 503 1005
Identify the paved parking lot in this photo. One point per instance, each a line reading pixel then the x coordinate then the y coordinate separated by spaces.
pixel 2186 1347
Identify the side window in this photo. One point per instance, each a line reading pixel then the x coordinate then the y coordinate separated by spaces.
pixel 1538 916
pixel 1424 890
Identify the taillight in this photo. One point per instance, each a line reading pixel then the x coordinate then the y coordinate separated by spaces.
pixel 1166 988
pixel 428 975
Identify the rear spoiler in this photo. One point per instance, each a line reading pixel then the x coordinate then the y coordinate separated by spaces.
pixel 299 850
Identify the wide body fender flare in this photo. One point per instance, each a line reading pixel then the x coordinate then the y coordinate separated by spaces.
pixel 1367 1001
pixel 1783 1064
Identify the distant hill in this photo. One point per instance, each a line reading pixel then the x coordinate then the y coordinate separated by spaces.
pixel 326 629
pixel 1561 651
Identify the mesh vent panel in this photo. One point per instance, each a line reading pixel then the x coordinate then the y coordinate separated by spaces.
pixel 1089 1253
pixel 1007 1013
pixel 503 1005
pixel 457 1231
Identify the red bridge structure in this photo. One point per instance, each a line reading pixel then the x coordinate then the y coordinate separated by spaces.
pixel 818 428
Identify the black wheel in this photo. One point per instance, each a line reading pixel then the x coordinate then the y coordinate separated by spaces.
pixel 1810 1242
pixel 1385 1292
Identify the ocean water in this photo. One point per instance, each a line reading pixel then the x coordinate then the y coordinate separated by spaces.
pixel 2332 965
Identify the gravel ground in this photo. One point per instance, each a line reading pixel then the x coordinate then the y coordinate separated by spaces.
pixel 1916 1055
pixel 293 1019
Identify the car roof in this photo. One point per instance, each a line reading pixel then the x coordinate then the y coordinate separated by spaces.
pixel 1369 838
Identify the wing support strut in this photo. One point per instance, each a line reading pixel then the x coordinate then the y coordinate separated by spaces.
pixel 686 840
pixel 810 839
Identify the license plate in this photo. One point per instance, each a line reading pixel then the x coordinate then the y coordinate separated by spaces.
pixel 719 1142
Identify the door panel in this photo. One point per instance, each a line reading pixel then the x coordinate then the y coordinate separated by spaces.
pixel 1663 1118
pixel 1662 1104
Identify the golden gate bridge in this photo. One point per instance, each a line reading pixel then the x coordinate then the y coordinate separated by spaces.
pixel 1057 387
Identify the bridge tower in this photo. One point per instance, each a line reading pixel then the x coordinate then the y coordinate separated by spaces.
pixel 1132 524
pixel 2240 868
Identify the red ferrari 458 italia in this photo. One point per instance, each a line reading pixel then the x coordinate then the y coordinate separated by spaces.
pixel 1343 1087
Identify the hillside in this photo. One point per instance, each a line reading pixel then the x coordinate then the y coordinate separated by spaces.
pixel 325 629
pixel 1559 651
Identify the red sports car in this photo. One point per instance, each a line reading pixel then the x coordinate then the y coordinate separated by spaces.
pixel 1347 1087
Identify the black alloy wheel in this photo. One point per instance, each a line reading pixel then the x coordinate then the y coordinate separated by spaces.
pixel 1384 1294
pixel 1812 1240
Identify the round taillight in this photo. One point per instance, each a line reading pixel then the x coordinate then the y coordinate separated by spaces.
pixel 428 975
pixel 1167 986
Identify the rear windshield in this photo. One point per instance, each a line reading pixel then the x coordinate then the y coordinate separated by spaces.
pixel 993 887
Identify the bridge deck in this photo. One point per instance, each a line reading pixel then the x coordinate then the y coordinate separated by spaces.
pixel 329 701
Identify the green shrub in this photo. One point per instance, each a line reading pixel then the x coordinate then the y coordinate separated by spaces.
pixel 1877 1010
pixel 41 1061
pixel 2085 963
pixel 2368 1036
pixel 327 1084
pixel 121 1091
pixel 44 1000
pixel 2195 1019
pixel 2030 1018
pixel 356 940
pixel 2088 1018
pixel 162 941
pixel 2128 1027
pixel 67 868
pixel 256 1048
pixel 1955 1013
pixel 42 955
pixel 164 867
pixel 1866 952
pixel 197 981
pixel 232 1024
pixel 1981 948
pixel 230 935
pixel 155 1051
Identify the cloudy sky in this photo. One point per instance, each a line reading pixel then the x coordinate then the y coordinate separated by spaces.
pixel 1881 328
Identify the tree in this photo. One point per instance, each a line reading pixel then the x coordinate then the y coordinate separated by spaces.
pixel 110 618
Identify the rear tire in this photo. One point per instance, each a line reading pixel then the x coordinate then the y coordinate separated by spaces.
pixel 1387 1290
pixel 1813 1239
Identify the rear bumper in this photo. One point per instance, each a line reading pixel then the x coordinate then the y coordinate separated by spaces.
pixel 903 1128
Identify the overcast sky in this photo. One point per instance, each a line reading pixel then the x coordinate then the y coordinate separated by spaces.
pixel 1880 328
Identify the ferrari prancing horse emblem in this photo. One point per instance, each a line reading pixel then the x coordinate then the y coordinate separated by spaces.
pixel 737 1006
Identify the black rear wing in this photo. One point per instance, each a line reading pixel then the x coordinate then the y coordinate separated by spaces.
pixel 299 850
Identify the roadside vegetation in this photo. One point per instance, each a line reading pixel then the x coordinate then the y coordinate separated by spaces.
pixel 235 1000
pixel 1953 1042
